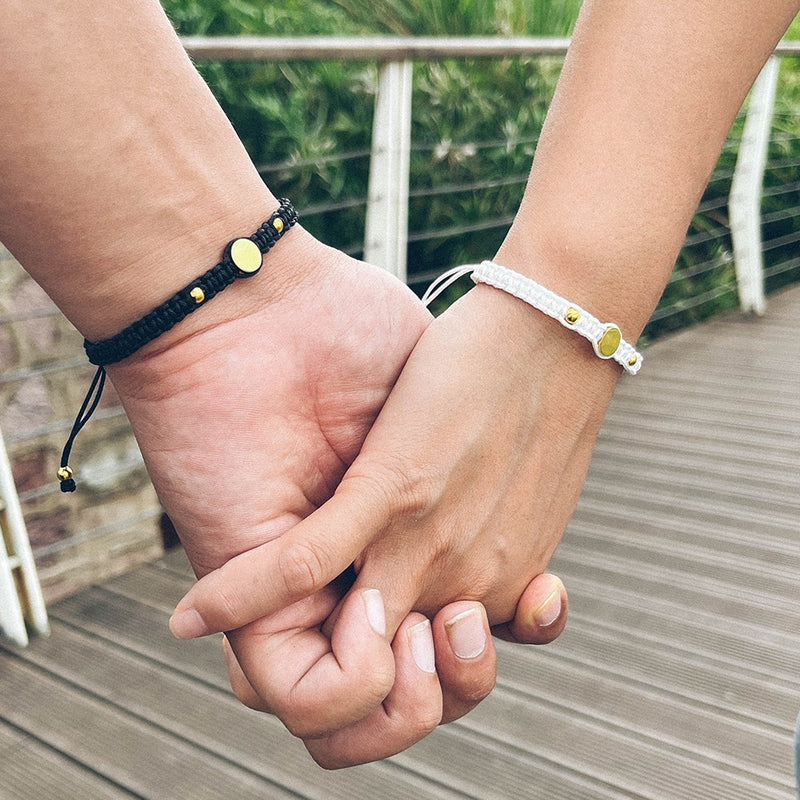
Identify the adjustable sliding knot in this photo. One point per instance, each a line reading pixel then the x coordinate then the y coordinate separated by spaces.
pixel 242 257
pixel 90 403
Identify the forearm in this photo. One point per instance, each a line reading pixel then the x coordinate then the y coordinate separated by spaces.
pixel 120 177
pixel 646 99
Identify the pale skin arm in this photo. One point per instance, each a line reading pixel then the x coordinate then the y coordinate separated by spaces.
pixel 120 181
pixel 497 403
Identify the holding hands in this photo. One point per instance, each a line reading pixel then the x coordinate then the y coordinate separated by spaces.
pixel 248 428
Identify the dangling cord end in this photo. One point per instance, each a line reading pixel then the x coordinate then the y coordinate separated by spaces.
pixel 87 409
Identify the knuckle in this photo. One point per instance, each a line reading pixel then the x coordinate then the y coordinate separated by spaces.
pixel 227 609
pixel 475 691
pixel 302 728
pixel 301 570
pixel 399 488
pixel 308 718
pixel 425 722
pixel 300 717
pixel 248 698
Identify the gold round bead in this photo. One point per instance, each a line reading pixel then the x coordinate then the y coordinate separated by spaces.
pixel 277 223
pixel 64 473
pixel 572 315
pixel 246 255
pixel 198 295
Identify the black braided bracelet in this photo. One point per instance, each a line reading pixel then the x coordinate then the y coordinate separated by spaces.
pixel 242 258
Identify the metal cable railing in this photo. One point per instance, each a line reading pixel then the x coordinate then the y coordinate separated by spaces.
pixel 453 217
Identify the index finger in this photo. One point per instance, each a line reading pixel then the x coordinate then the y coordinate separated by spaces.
pixel 274 575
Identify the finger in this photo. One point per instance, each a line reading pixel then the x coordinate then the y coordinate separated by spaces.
pixel 272 576
pixel 409 712
pixel 242 688
pixel 317 685
pixel 541 613
pixel 465 657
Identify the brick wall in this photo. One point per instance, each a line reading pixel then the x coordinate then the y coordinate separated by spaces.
pixel 112 522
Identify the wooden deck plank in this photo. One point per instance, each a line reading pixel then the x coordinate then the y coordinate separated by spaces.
pixel 119 746
pixel 698 731
pixel 646 767
pixel 700 632
pixel 31 769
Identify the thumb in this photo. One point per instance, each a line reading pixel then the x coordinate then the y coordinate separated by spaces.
pixel 278 573
pixel 541 613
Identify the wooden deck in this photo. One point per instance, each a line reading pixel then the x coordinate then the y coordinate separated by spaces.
pixel 678 677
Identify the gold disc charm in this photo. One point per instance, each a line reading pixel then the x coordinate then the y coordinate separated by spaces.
pixel 609 342
pixel 246 256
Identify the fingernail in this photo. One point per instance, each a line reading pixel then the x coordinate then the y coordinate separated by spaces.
pixel 421 640
pixel 466 634
pixel 376 615
pixel 549 611
pixel 187 624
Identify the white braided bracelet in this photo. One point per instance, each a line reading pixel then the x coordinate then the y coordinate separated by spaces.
pixel 605 337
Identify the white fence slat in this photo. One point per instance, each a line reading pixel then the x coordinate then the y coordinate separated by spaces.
pixel 20 592
pixel 745 197
pixel 12 623
pixel 386 233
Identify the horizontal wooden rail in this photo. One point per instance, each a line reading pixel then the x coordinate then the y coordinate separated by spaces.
pixel 357 48
pixel 386 48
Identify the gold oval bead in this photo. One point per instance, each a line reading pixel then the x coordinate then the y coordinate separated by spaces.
pixel 277 223
pixel 609 341
pixel 632 360
pixel 246 255
pixel 198 295
pixel 572 315
pixel 64 473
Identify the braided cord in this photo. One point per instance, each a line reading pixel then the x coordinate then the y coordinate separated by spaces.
pixel 605 337
pixel 191 297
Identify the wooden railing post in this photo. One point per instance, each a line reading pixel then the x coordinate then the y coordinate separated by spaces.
pixel 386 232
pixel 744 203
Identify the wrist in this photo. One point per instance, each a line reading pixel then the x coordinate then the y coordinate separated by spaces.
pixel 549 378
pixel 540 344
pixel 608 281
pixel 243 257
pixel 164 261
pixel 605 337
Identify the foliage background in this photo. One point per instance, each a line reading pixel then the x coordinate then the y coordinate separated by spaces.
pixel 474 130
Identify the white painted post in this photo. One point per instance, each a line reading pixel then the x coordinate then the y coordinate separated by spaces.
pixel 20 591
pixel 12 623
pixel 386 233
pixel 744 202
